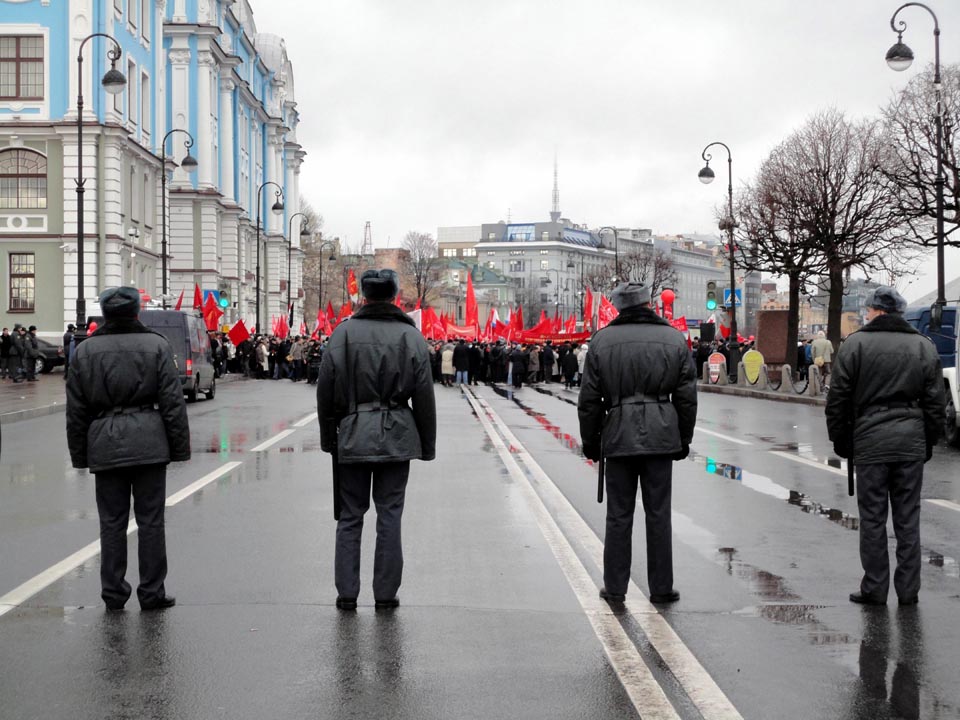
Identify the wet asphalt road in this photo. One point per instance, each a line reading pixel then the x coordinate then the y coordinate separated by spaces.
pixel 765 555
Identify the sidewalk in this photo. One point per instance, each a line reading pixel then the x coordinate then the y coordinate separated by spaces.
pixel 781 395
pixel 26 400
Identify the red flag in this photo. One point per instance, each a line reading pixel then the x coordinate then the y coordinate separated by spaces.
pixel 397 301
pixel 352 288
pixel 418 304
pixel 303 329
pixel 488 328
pixel 211 313
pixel 571 326
pixel 588 309
pixel 346 310
pixel 197 298
pixel 330 313
pixel 179 301
pixel 327 327
pixel 516 320
pixel 238 333
pixel 557 325
pixel 472 318
pixel 606 313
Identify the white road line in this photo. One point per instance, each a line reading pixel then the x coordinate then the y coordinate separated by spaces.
pixel 699 686
pixel 272 441
pixel 945 503
pixel 31 587
pixel 645 693
pixel 201 483
pixel 700 429
pixel 305 421
pixel 808 461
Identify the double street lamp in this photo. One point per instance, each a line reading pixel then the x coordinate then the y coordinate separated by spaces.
pixel 277 209
pixel 113 82
pixel 304 233
pixel 616 249
pixel 189 164
pixel 547 281
pixel 899 58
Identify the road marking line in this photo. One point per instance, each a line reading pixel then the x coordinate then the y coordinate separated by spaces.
pixel 945 503
pixel 699 429
pixel 644 691
pixel 201 483
pixel 305 421
pixel 272 441
pixel 31 587
pixel 698 684
pixel 808 461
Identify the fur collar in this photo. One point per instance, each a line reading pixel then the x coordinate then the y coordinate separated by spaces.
pixel 889 323
pixel 382 311
pixel 638 316
pixel 122 326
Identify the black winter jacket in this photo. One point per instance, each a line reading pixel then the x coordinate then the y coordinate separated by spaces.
pixel 633 362
pixel 887 386
pixel 375 392
pixel 125 365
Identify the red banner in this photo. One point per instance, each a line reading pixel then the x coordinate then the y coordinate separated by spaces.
pixel 606 313
pixel 557 338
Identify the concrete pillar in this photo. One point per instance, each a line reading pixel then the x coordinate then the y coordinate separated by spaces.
pixel 226 138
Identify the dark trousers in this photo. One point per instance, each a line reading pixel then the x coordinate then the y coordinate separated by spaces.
pixel 148 484
pixel 389 483
pixel 654 473
pixel 880 486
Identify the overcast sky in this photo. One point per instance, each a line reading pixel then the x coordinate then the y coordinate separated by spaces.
pixel 425 113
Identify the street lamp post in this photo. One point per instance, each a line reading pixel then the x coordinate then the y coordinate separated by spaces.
pixel 572 266
pixel 706 176
pixel 326 243
pixel 616 249
pixel 556 294
pixel 277 210
pixel 189 163
pixel 899 58
pixel 303 233
pixel 113 82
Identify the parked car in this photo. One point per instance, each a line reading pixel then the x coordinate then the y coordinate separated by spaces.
pixel 191 349
pixel 51 356
pixel 946 341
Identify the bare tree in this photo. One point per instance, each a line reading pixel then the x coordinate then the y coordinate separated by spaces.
pixel 649 265
pixel 912 166
pixel 423 260
pixel 599 278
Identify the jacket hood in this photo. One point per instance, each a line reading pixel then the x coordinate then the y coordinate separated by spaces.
pixel 889 323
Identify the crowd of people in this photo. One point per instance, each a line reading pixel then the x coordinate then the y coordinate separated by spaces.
pixel 265 357
pixel 18 354
pixel 470 363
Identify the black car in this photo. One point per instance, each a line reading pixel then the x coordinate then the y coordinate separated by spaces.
pixel 51 356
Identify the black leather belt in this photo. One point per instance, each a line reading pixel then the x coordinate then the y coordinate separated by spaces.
pixel 119 410
pixel 374 406
pixel 643 400
pixel 874 409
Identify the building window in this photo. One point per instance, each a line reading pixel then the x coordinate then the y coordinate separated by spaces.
pixel 22 282
pixel 131 93
pixel 491 253
pixel 145 103
pixel 492 264
pixel 545 235
pixel 23 180
pixel 132 13
pixel 449 252
pixel 544 252
pixel 469 252
pixel 544 298
pixel 517 252
pixel 145 19
pixel 516 266
pixel 544 264
pixel 491 236
pixel 21 68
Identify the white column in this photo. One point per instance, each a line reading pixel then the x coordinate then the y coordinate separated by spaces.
pixel 226 134
pixel 179 98
pixel 205 70
pixel 81 22
pixel 272 173
pixel 180 11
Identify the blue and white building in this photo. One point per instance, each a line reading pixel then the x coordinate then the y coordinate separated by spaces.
pixel 198 65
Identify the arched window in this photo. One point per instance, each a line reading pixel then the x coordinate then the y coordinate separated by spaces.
pixel 23 180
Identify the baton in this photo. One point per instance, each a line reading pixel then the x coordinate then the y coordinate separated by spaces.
pixel 601 466
pixel 850 478
pixel 336 485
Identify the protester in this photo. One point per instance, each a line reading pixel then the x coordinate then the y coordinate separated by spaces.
pixel 461 362
pixel 447 367
pixel 376 411
pixel 885 412
pixel 126 420
pixel 821 351
pixel 549 358
pixel 638 408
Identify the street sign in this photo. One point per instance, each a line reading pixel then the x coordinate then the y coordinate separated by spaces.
pixel 714 363
pixel 752 362
pixel 726 297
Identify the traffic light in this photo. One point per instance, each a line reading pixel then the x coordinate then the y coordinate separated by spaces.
pixel 224 300
pixel 712 295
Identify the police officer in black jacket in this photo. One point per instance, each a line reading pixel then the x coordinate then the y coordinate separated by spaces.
pixel 638 407
pixel 126 420
pixel 885 412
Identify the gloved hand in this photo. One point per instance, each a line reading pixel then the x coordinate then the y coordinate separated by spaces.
pixel 841 449
pixel 684 452
pixel 592 452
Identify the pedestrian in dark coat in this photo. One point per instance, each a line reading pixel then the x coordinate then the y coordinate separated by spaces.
pixel 376 410
pixel 67 345
pixel 126 420
pixel 569 366
pixel 885 411
pixel 638 408
pixel 6 342
pixel 461 362
pixel 476 361
pixel 518 363
pixel 549 359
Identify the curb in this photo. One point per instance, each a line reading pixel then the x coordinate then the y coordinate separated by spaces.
pixel 760 394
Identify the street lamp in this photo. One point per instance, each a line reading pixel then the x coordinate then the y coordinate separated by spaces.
pixel 304 233
pixel 113 82
pixel 899 58
pixel 189 164
pixel 277 210
pixel 616 249
pixel 706 176
pixel 571 265
pixel 556 295
pixel 326 243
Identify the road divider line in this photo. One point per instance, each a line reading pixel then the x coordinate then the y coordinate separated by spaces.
pixel 808 461
pixel 738 441
pixel 696 682
pixel 31 587
pixel 945 504
pixel 266 445
pixel 202 483
pixel 305 421
pixel 644 691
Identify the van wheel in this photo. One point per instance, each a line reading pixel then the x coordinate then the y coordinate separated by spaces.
pixel 951 431
pixel 212 392
pixel 193 392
